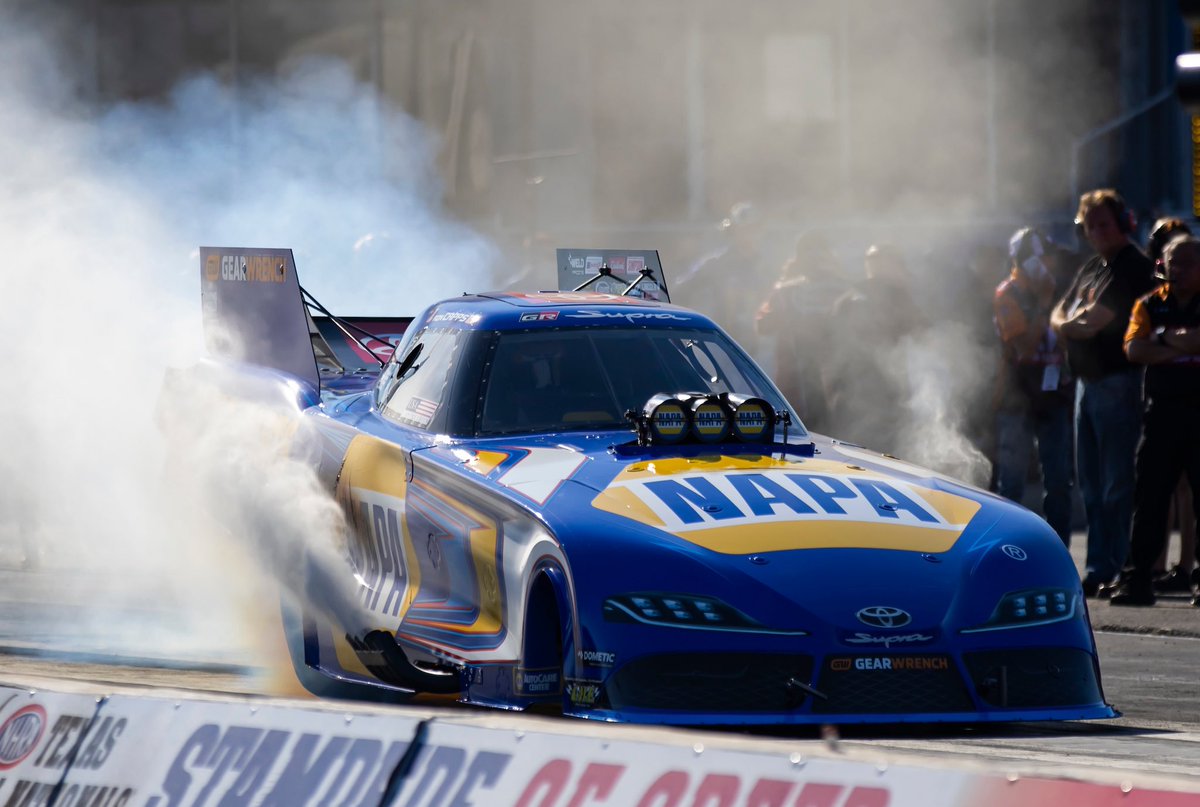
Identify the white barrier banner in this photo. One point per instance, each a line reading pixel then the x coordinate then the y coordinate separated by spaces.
pixel 82 751
pixel 38 733
pixel 468 765
pixel 163 753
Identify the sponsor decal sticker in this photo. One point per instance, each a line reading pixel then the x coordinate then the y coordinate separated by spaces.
pixel 247 269
pixel 669 419
pixel 420 410
pixel 536 682
pixel 19 735
pixel 597 658
pixel 583 692
pixel 890 663
pixel 455 316
pixel 710 419
pixel 539 316
pixel 740 505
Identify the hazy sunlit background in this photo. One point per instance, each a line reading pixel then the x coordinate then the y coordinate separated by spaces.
pixel 412 149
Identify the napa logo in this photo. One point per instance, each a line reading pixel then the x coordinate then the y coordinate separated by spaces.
pixel 749 504
pixel 727 499
pixel 19 735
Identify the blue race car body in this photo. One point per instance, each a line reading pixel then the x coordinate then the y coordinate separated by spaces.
pixel 515 537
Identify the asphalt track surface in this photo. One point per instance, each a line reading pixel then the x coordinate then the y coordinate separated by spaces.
pixel 55 633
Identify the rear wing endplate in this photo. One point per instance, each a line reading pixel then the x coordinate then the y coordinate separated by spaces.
pixel 253 311
pixel 632 272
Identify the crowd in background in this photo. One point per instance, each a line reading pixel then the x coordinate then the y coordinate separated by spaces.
pixel 1082 369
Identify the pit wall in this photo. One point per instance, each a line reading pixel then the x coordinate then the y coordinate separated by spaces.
pixel 121 750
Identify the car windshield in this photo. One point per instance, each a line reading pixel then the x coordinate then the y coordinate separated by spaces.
pixel 579 378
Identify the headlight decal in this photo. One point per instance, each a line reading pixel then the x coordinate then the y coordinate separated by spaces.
pixel 1030 607
pixel 685 611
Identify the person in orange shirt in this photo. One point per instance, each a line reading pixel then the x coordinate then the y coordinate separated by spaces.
pixel 1036 401
pixel 1179 577
pixel 1164 335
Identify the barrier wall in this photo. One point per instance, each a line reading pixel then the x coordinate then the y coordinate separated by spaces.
pixel 71 750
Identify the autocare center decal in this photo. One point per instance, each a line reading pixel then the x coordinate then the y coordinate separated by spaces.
pixel 753 503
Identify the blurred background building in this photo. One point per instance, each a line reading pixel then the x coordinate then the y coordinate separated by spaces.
pixel 638 121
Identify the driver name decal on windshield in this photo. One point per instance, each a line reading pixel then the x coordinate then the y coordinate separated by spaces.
pixel 742 506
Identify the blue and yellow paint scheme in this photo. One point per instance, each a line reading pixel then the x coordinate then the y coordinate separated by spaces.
pixel 790 581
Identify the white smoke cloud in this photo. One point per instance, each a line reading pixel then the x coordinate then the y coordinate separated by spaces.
pixel 101 214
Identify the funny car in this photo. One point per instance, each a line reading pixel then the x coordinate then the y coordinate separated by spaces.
pixel 598 503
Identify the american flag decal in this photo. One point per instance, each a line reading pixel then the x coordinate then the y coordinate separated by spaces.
pixel 421 409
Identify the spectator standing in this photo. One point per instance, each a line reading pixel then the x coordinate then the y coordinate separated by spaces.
pixel 987 265
pixel 1092 318
pixel 867 371
pixel 1164 335
pixel 1182 513
pixel 797 316
pixel 729 285
pixel 1035 403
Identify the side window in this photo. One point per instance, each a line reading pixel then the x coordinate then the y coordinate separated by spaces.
pixel 421 393
pixel 715 370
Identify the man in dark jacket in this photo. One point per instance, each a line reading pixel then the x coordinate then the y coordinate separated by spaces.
pixel 1092 318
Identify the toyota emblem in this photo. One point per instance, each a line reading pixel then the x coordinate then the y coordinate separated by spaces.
pixel 884 616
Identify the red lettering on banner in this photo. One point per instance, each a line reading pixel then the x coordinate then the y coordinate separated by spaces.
pixel 768 793
pixel 717 790
pixel 548 782
pixel 666 791
pixel 816 795
pixel 867 797
pixel 596 782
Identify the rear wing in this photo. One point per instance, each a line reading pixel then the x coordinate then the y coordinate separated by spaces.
pixel 255 311
pixel 632 272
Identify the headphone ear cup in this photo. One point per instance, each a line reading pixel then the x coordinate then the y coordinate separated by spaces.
pixel 1124 216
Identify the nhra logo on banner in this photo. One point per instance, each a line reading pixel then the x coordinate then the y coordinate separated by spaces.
pixel 20 734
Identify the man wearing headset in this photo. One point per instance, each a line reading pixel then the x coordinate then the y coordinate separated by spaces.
pixel 1035 396
pixel 1092 318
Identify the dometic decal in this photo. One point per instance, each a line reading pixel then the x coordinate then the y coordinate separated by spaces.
pixel 19 735
pixel 752 504
pixel 597 658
